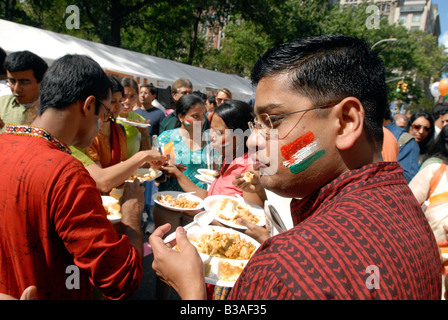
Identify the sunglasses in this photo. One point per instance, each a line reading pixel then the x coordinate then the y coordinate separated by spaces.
pixel 417 127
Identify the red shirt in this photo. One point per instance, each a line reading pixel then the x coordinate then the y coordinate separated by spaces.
pixel 365 221
pixel 51 217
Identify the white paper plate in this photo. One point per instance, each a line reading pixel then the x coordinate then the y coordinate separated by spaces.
pixel 107 200
pixel 141 175
pixel 212 263
pixel 175 194
pixel 253 208
pixel 204 178
pixel 132 123
pixel 207 172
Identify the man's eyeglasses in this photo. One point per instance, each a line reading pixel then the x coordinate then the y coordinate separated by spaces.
pixel 107 114
pixel 266 122
pixel 417 127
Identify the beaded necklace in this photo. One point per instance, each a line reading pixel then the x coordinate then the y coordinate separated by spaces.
pixel 31 131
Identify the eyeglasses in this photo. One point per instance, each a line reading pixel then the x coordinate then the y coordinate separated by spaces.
pixel 108 114
pixel 266 122
pixel 417 127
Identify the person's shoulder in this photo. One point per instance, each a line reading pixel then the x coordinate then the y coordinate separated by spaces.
pixel 6 99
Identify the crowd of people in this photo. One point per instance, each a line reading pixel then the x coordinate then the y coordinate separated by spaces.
pixel 368 191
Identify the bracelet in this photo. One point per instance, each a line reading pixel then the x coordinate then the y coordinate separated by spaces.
pixel 146 137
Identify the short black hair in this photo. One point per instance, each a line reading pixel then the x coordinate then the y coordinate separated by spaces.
pixel 329 68
pixel 26 60
pixel 73 78
pixel 151 88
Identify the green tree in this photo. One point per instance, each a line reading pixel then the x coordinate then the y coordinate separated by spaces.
pixel 244 44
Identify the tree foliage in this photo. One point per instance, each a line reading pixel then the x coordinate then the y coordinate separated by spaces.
pixel 174 30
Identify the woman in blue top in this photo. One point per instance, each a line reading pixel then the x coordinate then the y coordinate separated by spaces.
pixel 189 147
pixel 189 152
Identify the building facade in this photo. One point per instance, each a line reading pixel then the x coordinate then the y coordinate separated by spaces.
pixel 412 14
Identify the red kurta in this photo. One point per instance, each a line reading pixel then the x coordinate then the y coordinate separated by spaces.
pixel 362 236
pixel 51 218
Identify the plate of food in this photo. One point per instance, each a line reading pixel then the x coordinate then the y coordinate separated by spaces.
pixel 178 201
pixel 208 174
pixel 204 178
pixel 134 123
pixel 228 209
pixel 224 252
pixel 113 208
pixel 145 174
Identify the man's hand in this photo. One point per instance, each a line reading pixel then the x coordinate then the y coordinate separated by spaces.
pixel 154 158
pixel 133 199
pixel 132 203
pixel 28 294
pixel 260 234
pixel 181 269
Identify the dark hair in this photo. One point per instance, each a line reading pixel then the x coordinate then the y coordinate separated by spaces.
pixel 439 146
pixel 26 60
pixel 2 61
pixel 185 103
pixel 115 85
pixel 236 114
pixel 439 110
pixel 151 88
pixel 73 78
pixel 200 94
pixel 424 144
pixel 329 68
pixel 129 82
pixel 212 100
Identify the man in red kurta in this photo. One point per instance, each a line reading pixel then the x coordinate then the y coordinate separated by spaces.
pixel 54 231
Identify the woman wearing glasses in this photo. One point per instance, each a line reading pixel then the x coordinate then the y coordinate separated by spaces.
pixel 421 127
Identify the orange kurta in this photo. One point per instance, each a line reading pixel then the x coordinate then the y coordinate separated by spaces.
pixel 101 148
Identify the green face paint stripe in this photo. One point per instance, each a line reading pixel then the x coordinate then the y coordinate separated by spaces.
pixel 297 168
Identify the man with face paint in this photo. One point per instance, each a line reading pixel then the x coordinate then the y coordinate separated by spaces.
pixel 358 232
pixel 53 225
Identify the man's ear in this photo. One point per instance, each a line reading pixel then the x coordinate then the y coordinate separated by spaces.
pixel 351 120
pixel 88 105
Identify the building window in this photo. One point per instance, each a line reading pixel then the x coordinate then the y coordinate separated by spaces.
pixel 416 17
pixel 403 18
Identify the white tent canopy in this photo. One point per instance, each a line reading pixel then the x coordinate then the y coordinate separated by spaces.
pixel 144 68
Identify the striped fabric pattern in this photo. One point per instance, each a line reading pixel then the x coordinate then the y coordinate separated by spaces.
pixel 363 236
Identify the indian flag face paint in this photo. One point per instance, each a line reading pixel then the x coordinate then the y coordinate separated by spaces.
pixel 187 123
pixel 302 153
